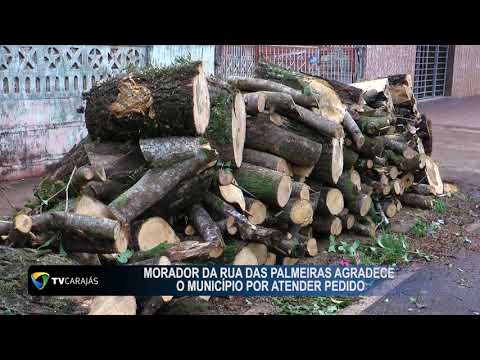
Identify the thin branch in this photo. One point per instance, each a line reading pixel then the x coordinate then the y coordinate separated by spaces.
pixel 68 185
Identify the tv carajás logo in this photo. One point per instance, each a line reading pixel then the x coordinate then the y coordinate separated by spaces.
pixel 40 279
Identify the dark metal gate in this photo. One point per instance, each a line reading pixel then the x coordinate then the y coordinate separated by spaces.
pixel 343 63
pixel 431 63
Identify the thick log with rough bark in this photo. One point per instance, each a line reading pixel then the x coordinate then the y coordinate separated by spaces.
pixel 266 160
pixel 205 225
pixel 265 136
pixel 269 186
pixel 399 147
pixel 373 125
pixel 166 151
pixel 86 233
pixel 152 187
pixel 416 200
pixel 172 100
pixel 422 189
pixel 353 130
pixel 330 225
pixel 347 219
pixel 364 229
pixel 329 201
pixel 300 190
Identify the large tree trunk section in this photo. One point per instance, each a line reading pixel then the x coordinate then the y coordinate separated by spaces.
pixel 192 249
pixel 417 201
pixel 251 84
pixel 329 167
pixel 269 186
pixel 300 190
pixel 433 175
pixel 257 211
pixel 255 102
pixel 265 136
pixel 152 232
pixel 152 187
pixel 205 225
pixel 166 151
pixel 88 234
pixel 226 130
pixel 330 225
pixel 353 130
pixel 172 101
pixel 266 160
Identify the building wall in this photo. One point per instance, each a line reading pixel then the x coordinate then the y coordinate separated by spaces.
pixel 466 71
pixel 40 92
pixel 162 55
pixel 384 60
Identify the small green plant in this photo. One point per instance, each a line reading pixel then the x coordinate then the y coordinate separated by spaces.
pixel 421 228
pixel 439 206
pixel 310 305
pixel 124 256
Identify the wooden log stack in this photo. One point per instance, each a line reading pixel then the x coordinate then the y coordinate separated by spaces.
pixel 188 166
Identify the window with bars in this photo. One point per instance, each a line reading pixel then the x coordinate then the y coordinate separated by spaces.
pixel 431 63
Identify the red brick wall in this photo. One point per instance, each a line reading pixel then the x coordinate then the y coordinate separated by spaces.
pixel 466 71
pixel 384 60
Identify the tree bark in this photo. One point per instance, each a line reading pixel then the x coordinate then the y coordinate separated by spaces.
pixel 152 187
pixel 170 101
pixel 329 166
pixel 270 186
pixel 254 102
pixel 353 130
pixel 416 200
pixel 205 225
pixel 266 160
pixel 86 233
pixel 372 147
pixel 330 225
pixel 265 136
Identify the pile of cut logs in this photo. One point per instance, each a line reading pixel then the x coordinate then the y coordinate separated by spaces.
pixel 190 165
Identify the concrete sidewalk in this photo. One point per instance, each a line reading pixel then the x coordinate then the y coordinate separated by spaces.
pixel 456 139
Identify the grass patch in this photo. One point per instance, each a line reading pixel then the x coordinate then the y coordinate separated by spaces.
pixel 310 305
pixel 421 228
pixel 439 206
